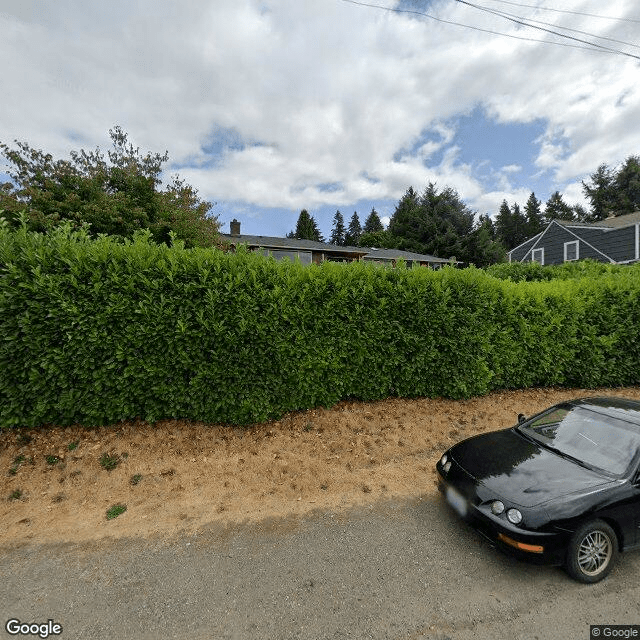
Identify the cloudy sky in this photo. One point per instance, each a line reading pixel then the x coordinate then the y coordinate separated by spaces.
pixel 271 106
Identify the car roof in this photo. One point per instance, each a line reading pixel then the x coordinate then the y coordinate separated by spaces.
pixel 624 408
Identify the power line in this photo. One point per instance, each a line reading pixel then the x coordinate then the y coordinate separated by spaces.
pixel 575 13
pixel 592 46
pixel 584 33
pixel 523 23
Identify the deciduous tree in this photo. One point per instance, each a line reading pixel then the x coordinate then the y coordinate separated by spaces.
pixel 114 194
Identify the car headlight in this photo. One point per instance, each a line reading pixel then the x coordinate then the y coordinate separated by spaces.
pixel 497 507
pixel 443 460
pixel 514 516
pixel 447 466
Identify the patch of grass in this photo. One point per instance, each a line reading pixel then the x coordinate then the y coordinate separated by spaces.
pixel 135 479
pixel 308 427
pixel 17 461
pixel 15 495
pixel 109 461
pixel 72 446
pixel 52 460
pixel 115 511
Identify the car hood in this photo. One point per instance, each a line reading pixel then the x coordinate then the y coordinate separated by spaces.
pixel 512 467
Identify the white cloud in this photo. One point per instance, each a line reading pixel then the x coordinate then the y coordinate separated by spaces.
pixel 332 92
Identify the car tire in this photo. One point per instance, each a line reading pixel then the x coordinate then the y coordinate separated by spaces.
pixel 592 552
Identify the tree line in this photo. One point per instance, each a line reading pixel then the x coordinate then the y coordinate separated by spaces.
pixel 438 222
pixel 122 192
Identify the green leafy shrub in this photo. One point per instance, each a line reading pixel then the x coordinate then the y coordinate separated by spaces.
pixel 97 330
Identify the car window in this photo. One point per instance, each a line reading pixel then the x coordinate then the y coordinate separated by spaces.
pixel 594 438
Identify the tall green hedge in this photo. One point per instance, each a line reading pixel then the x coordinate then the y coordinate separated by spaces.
pixel 94 331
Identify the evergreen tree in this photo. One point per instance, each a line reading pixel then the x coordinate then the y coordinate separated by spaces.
pixel 354 231
pixel 580 214
pixel 484 220
pixel 512 226
pixel 482 249
pixel 373 223
pixel 338 231
pixel 627 185
pixel 601 193
pixel 306 228
pixel 557 209
pixel 533 215
pixel 504 225
pixel 435 223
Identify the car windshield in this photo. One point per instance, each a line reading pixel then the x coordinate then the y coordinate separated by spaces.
pixel 589 436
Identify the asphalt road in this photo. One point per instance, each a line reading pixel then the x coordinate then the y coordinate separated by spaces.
pixel 399 570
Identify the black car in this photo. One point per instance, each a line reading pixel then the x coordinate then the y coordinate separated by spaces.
pixel 560 488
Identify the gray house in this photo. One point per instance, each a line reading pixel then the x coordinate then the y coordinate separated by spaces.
pixel 308 251
pixel 614 240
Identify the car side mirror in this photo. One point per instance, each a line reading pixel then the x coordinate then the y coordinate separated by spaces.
pixel 521 418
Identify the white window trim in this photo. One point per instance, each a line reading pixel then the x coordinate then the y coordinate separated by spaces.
pixel 533 255
pixel 566 247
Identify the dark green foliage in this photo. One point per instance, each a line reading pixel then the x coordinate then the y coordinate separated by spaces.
pixel 95 331
pixel 306 228
pixel 627 183
pixel 512 227
pixel 557 209
pixel 114 195
pixel 437 223
pixel 354 231
pixel 373 224
pixel 338 230
pixel 381 239
pixel 613 191
pixel 482 248
pixel 533 215
pixel 601 192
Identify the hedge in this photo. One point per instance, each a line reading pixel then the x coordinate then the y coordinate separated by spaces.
pixel 97 331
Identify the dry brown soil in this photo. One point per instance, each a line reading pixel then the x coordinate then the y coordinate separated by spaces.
pixel 191 474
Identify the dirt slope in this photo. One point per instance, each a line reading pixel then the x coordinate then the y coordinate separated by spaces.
pixel 180 475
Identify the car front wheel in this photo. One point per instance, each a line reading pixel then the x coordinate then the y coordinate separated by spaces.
pixel 592 552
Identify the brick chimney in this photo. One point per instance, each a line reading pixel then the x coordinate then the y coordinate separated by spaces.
pixel 235 227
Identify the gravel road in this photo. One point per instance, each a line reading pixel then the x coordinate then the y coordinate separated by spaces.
pixel 397 570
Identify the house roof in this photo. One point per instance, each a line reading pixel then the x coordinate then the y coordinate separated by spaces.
pixel 293 244
pixel 620 221
pixel 396 254
pixel 271 242
pixel 616 222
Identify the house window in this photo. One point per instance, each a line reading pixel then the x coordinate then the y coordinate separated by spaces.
pixel 537 255
pixel 571 251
